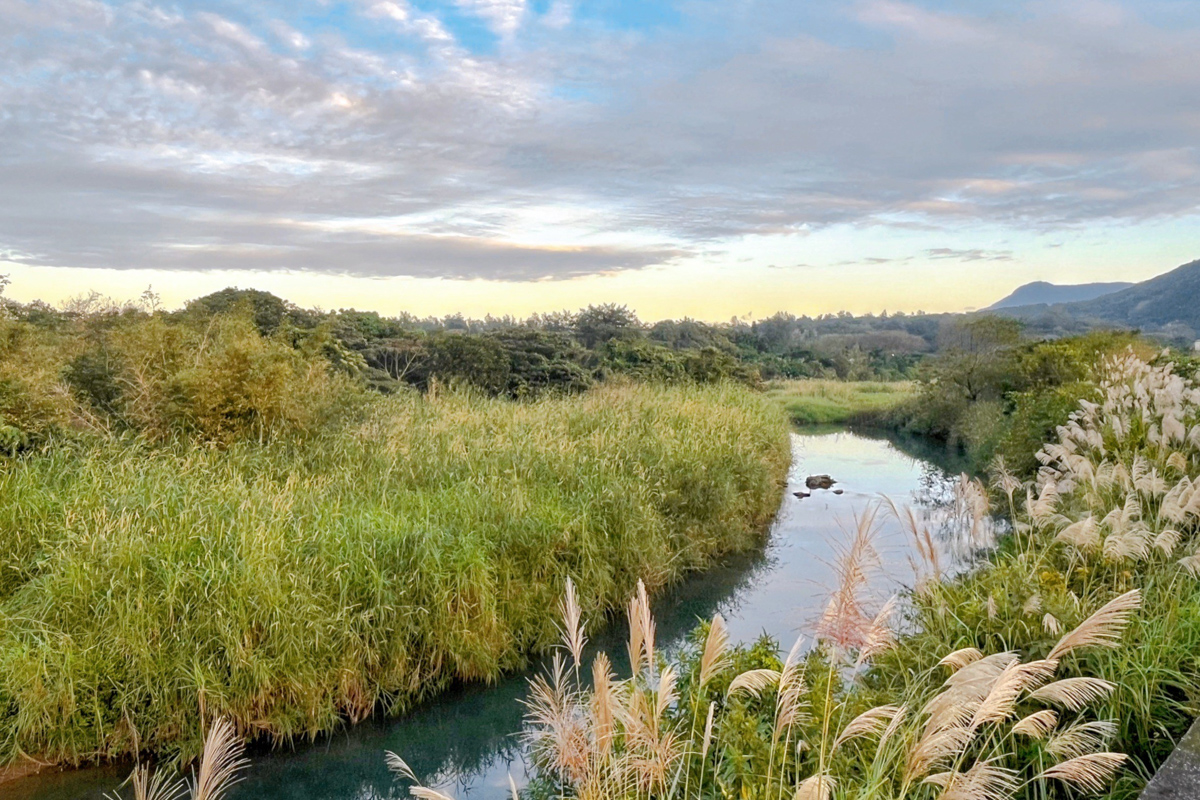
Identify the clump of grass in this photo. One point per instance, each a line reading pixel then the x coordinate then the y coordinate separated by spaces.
pixel 1110 512
pixel 295 584
pixel 828 402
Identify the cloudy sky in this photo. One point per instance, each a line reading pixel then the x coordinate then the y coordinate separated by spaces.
pixel 695 157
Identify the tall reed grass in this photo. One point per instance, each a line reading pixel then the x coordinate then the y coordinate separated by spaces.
pixel 1064 664
pixel 289 586
pixel 1110 511
pixel 723 724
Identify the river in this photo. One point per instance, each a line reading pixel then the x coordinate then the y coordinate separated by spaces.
pixel 465 742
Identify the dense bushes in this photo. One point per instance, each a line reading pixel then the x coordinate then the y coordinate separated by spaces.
pixel 557 352
pixel 995 394
pixel 33 403
pixel 291 584
pixel 230 364
pixel 512 362
pixel 219 382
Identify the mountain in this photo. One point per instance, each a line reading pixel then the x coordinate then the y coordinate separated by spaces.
pixel 1041 293
pixel 1170 298
pixel 1168 305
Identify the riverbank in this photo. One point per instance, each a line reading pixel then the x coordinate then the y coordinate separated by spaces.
pixel 292 586
pixel 467 739
pixel 1067 658
pixel 833 402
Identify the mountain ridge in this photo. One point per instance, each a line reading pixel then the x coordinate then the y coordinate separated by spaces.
pixel 1166 301
pixel 1045 293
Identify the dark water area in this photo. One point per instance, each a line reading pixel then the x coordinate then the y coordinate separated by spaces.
pixel 466 743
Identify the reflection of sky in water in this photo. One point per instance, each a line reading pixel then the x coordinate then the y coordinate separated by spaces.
pixel 464 743
pixel 792 591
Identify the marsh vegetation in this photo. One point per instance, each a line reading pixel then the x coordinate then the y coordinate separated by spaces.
pixel 816 401
pixel 198 519
pixel 1065 661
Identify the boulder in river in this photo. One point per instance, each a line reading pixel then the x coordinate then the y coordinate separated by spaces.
pixel 802 495
pixel 819 482
pixel 839 491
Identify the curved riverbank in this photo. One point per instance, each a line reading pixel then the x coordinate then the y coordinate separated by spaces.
pixel 465 740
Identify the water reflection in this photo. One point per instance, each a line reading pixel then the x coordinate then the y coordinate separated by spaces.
pixel 466 742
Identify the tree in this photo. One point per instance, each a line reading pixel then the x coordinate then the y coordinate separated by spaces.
pixel 268 311
pixel 596 325
pixel 974 354
pixel 477 360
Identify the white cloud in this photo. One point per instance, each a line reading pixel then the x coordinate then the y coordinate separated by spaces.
pixel 425 26
pixel 503 16
pixel 559 14
pixel 133 136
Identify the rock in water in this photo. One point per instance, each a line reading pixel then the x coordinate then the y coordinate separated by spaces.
pixel 802 495
pixel 839 491
pixel 819 482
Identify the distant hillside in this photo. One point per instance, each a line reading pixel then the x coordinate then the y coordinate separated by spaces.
pixel 1168 305
pixel 1042 293
pixel 1170 298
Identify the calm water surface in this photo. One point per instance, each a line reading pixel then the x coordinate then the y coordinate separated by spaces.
pixel 465 743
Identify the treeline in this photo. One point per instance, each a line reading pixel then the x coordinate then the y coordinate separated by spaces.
pixel 247 364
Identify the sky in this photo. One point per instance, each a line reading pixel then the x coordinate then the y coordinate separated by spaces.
pixel 703 158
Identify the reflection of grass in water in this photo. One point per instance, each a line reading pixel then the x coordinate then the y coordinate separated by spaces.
pixel 938 495
pixel 950 461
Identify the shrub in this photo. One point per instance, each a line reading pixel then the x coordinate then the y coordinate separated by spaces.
pixel 992 394
pixel 221 383
pixel 34 403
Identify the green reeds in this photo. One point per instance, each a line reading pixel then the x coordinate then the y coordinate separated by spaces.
pixel 291 586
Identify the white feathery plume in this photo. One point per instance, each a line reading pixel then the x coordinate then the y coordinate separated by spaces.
pixel 716 650
pixel 572 628
pixel 1038 724
pixel 869 723
pixel 752 682
pixel 960 658
pixel 1103 628
pixel 815 787
pixel 1073 693
pixel 1081 738
pixel 1091 772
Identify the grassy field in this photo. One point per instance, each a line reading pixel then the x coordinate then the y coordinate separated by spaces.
pixel 145 589
pixel 824 402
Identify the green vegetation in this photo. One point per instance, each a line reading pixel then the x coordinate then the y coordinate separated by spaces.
pixel 825 402
pixel 210 513
pixel 292 584
pixel 993 393
pixel 289 518
pixel 1065 663
pixel 559 353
